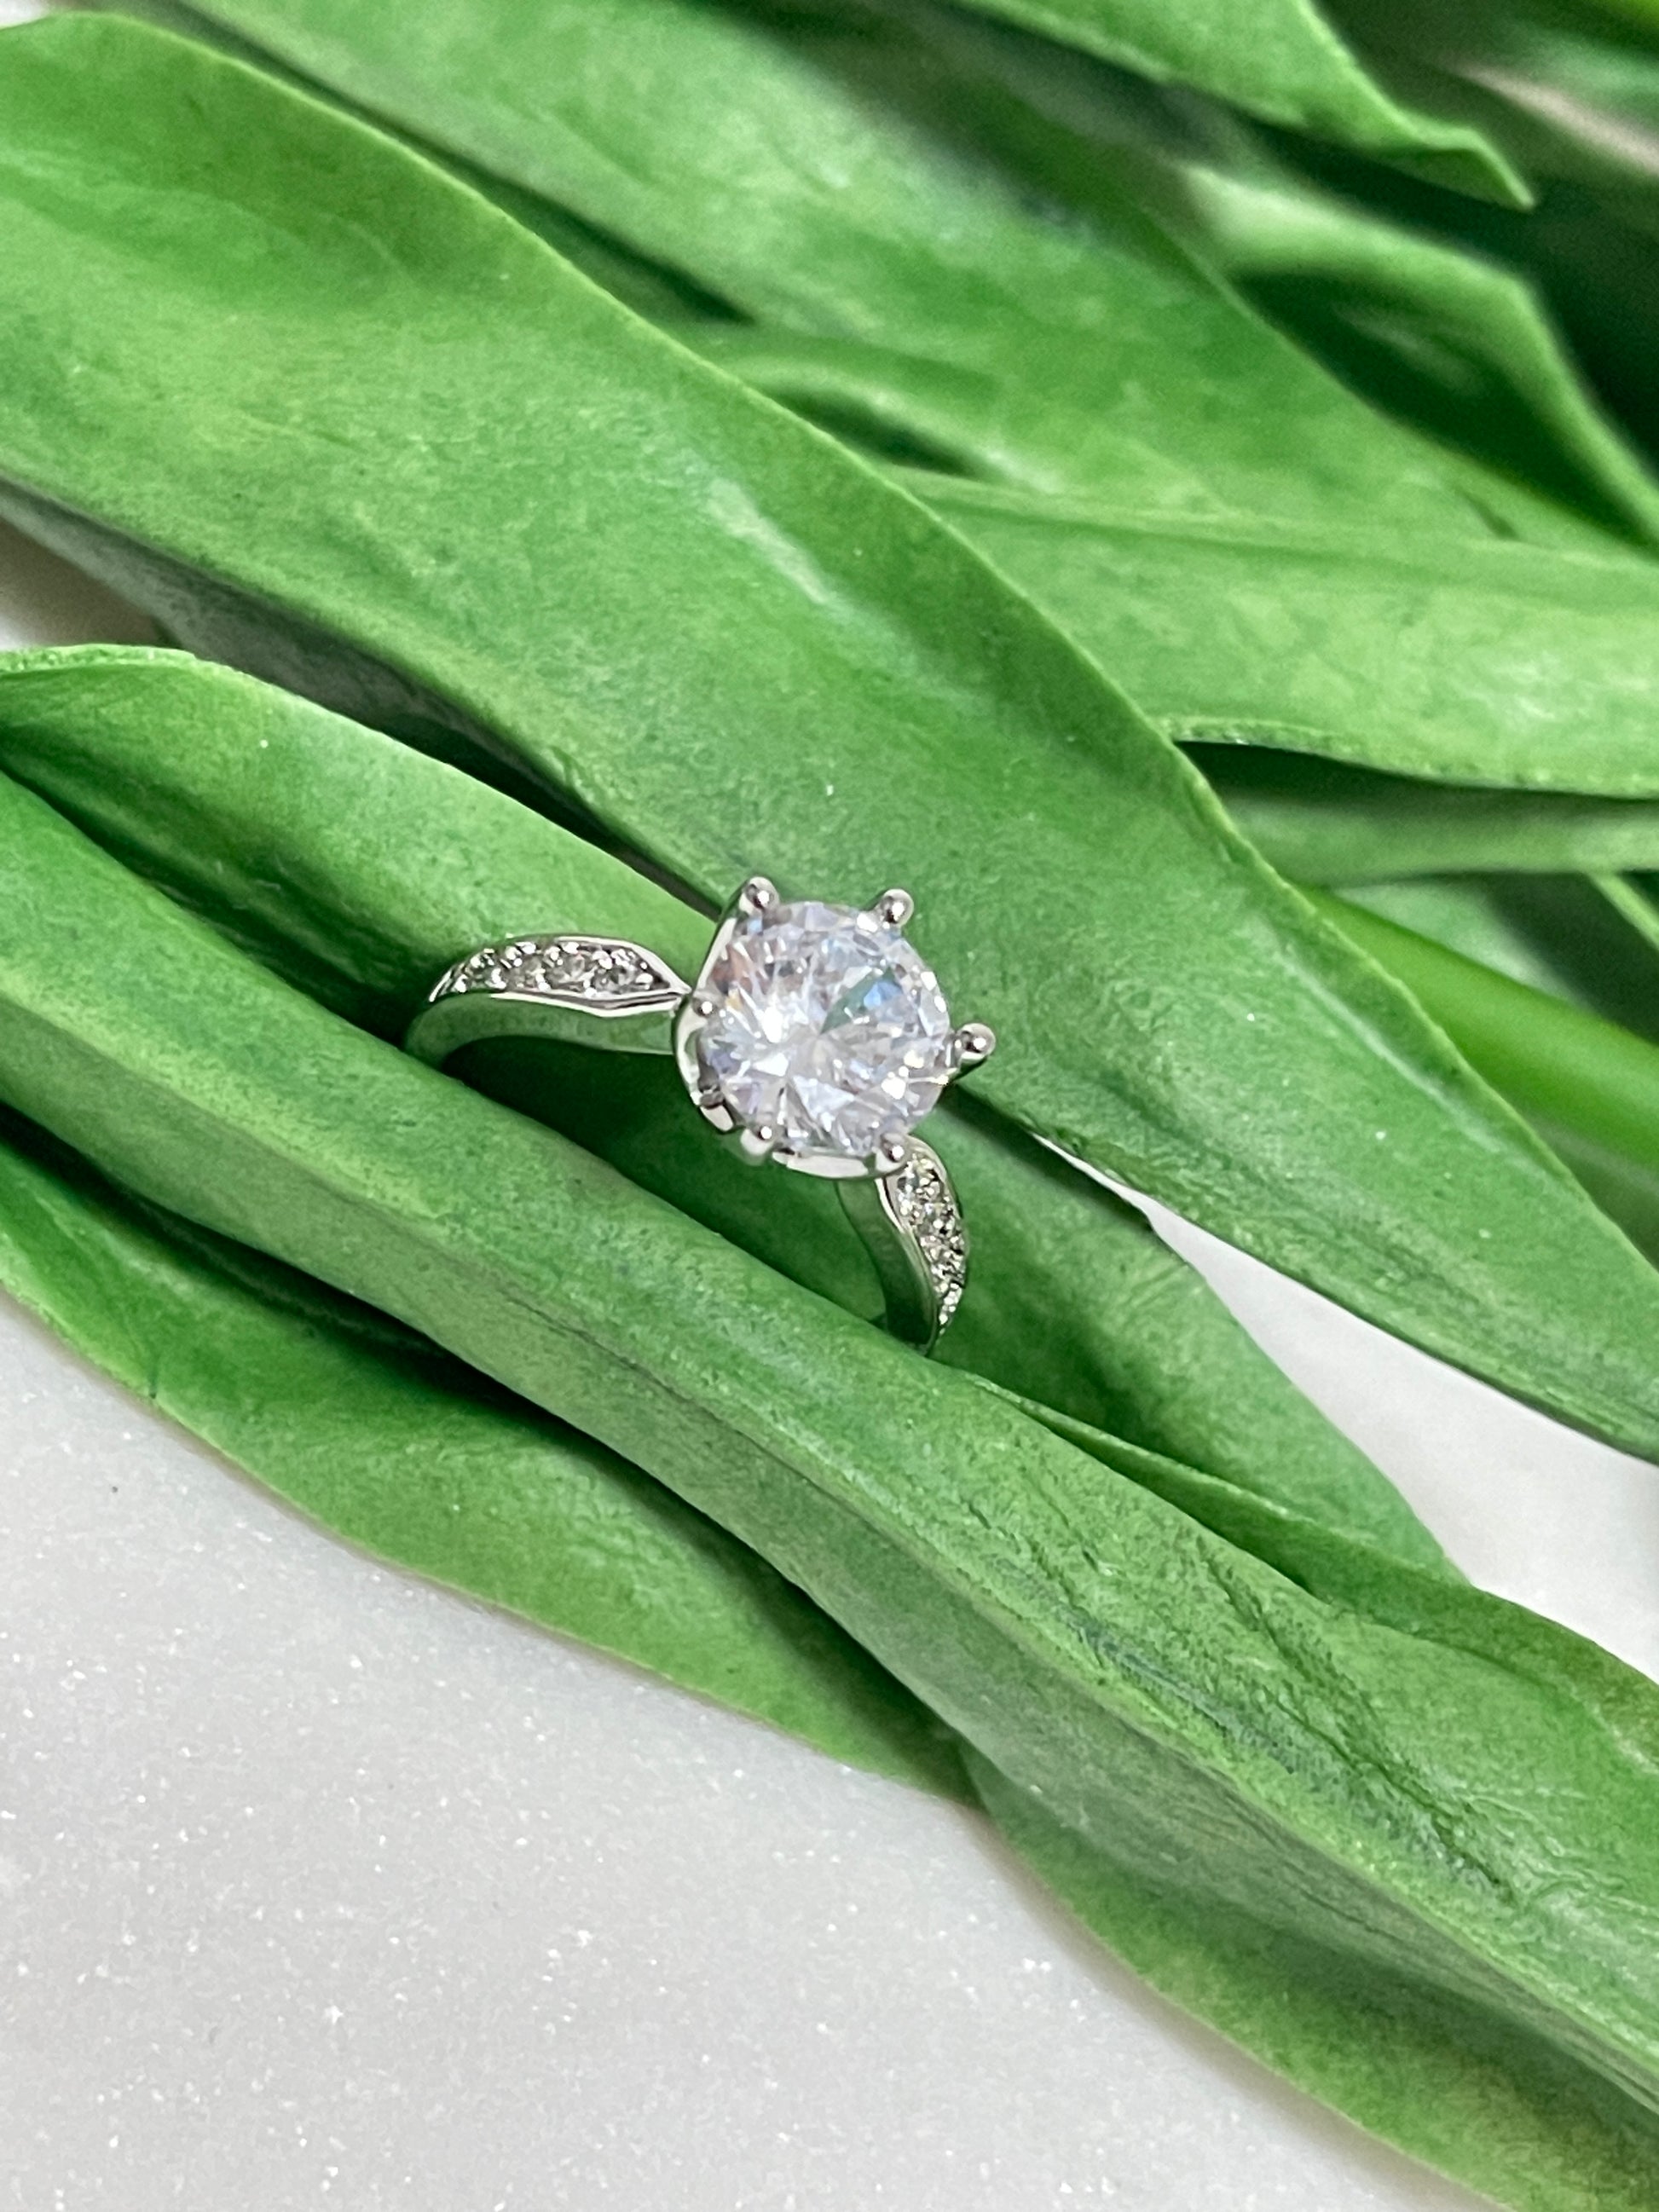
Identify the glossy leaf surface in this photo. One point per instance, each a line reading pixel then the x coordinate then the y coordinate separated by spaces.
pixel 1565 92
pixel 566 560
pixel 943 109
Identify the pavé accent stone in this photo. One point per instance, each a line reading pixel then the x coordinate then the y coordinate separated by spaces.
pixel 583 970
pixel 920 1201
pixel 828 1025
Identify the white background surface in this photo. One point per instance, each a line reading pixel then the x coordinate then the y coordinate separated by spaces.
pixel 321 1885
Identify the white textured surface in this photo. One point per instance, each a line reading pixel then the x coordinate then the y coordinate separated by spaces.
pixel 317 1884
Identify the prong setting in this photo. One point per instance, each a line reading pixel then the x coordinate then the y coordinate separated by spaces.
pixel 895 907
pixel 759 1143
pixel 758 897
pixel 972 1045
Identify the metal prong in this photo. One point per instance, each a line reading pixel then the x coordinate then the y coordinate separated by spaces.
pixel 975 1042
pixel 758 895
pixel 704 1005
pixel 757 1143
pixel 895 907
pixel 891 1153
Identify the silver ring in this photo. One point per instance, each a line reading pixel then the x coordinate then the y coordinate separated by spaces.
pixel 815 1037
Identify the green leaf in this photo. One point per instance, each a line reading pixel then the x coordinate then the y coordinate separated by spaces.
pixel 1281 60
pixel 1473 1823
pixel 1437 336
pixel 1435 2077
pixel 1444 339
pixel 359 870
pixel 562 567
pixel 421 1461
pixel 1484 663
pixel 1578 106
pixel 809 170
pixel 1322 821
pixel 1528 927
pixel 1642 14
pixel 1569 96
pixel 1590 941
pixel 1448 340
pixel 1627 1190
pixel 1562 1065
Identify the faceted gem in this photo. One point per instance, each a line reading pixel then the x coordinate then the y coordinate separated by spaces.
pixel 828 1024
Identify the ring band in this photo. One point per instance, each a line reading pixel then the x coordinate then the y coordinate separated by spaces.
pixel 815 1037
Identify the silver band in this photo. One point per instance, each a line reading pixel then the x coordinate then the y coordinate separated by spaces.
pixel 605 993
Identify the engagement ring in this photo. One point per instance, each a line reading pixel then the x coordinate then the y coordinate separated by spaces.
pixel 816 1037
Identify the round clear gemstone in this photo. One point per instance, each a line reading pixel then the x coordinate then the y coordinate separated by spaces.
pixel 828 1024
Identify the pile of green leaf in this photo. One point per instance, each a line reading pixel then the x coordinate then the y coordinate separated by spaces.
pixel 1111 467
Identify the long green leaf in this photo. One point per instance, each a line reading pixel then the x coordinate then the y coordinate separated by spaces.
pixel 1471 1820
pixel 1560 1064
pixel 1281 60
pixel 360 869
pixel 942 105
pixel 1577 104
pixel 1449 340
pixel 1443 337
pixel 567 562
pixel 420 1459
pixel 1529 927
pixel 1587 1085
pixel 1488 663
pixel 1320 821
pixel 1490 372
pixel 1570 96
pixel 1430 2075
pixel 807 169
pixel 1588 940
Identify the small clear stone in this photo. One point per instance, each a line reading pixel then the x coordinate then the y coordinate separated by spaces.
pixel 534 970
pixel 565 967
pixel 828 1025
pixel 923 1204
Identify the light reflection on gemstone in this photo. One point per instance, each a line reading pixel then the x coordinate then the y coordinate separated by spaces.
pixel 828 1024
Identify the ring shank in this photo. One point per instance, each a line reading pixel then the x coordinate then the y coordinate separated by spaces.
pixel 449 1024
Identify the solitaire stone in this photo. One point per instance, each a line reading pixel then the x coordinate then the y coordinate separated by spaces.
pixel 828 1025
